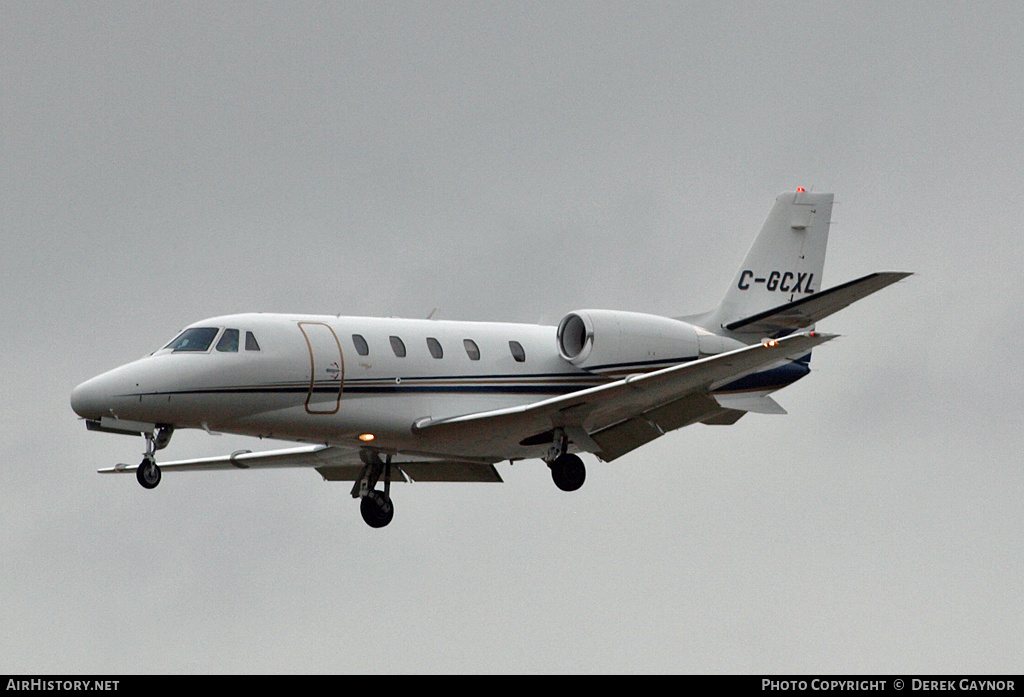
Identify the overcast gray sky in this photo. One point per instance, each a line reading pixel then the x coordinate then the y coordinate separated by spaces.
pixel 165 162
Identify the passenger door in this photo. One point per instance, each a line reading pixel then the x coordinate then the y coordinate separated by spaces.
pixel 326 368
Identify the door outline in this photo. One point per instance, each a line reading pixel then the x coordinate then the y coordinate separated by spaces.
pixel 332 369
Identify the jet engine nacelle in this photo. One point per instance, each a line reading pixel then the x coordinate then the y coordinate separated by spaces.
pixel 605 340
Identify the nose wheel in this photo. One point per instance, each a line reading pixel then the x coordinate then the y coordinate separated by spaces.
pixel 148 473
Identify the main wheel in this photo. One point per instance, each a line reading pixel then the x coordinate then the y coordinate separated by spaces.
pixel 568 472
pixel 377 509
pixel 148 474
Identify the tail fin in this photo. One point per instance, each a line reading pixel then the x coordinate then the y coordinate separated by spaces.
pixel 786 260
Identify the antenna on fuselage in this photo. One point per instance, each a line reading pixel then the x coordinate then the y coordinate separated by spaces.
pixel 431 315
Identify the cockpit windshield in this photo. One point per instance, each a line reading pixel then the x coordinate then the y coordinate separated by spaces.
pixel 195 339
pixel 228 341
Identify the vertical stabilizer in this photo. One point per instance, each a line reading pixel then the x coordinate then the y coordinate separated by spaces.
pixel 785 262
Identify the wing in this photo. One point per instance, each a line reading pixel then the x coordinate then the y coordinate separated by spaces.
pixel 334 464
pixel 612 419
pixel 802 313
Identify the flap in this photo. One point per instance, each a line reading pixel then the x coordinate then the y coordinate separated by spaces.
pixel 440 471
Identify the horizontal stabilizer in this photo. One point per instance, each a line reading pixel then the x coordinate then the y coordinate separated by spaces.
pixel 759 404
pixel 804 312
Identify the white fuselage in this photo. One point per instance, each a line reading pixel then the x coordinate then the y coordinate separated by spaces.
pixel 362 381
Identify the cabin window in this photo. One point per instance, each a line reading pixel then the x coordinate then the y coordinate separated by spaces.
pixel 472 350
pixel 250 342
pixel 228 341
pixel 398 347
pixel 435 347
pixel 195 339
pixel 517 351
pixel 360 343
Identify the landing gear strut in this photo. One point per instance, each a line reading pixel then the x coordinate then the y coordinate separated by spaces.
pixel 567 469
pixel 374 505
pixel 148 472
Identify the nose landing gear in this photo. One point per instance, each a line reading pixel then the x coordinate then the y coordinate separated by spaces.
pixel 148 472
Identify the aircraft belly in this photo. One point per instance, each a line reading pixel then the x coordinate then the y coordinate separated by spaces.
pixel 387 418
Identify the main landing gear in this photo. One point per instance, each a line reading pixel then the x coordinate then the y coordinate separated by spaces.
pixel 374 505
pixel 567 469
pixel 148 472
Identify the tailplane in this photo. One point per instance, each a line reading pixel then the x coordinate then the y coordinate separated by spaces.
pixel 777 290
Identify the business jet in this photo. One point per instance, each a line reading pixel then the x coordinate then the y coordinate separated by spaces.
pixel 381 400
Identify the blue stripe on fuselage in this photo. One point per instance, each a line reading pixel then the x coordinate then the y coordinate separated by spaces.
pixel 770 379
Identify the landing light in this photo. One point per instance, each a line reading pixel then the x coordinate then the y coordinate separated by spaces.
pixel 366 437
pixel 770 342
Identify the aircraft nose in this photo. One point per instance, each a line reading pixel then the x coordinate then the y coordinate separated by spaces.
pixel 110 393
pixel 89 400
